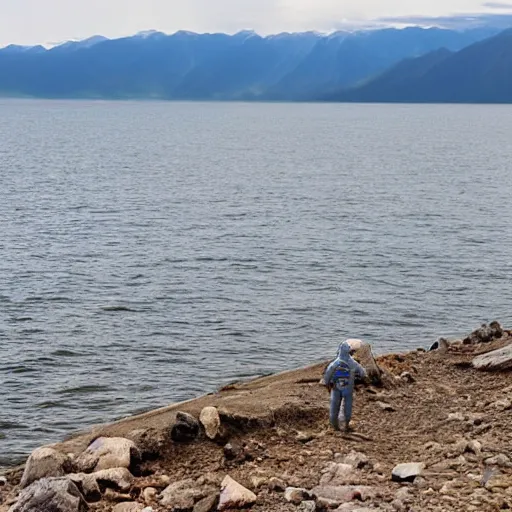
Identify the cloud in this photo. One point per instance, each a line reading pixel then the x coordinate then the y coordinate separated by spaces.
pixel 497 5
pixel 456 22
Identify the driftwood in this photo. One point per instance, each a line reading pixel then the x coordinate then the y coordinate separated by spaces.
pixel 497 360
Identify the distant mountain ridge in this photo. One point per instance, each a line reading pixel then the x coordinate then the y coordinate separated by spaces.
pixel 243 66
pixel 479 73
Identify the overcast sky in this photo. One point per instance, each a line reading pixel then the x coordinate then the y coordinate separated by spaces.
pixel 50 21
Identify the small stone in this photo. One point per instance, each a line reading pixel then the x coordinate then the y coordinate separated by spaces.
pixel 337 474
pixel 119 478
pixel 407 472
pixel 398 505
pixel 460 447
pixel 407 377
pixel 335 495
pixel 186 428
pixel 210 420
pixel 3 481
pixel 233 451
pixel 296 495
pixel 149 494
pixel 206 504
pixel 456 416
pixel 403 494
pixel 357 460
pixel 307 506
pixel 45 462
pixel 498 460
pixel 258 481
pixel 234 495
pixel 213 479
pixel 475 447
pixel 130 506
pixel 111 495
pixel 304 437
pixel 276 484
pixel 386 407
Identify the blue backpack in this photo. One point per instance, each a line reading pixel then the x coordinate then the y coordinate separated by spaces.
pixel 341 376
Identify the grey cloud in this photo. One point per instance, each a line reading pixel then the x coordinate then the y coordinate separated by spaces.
pixel 497 5
pixel 457 22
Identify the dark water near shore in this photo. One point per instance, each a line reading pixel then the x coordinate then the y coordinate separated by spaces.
pixel 151 252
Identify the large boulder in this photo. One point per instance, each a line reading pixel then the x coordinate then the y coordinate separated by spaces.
pixel 234 495
pixel 364 354
pixel 45 462
pixel 51 495
pixel 185 429
pixel 210 420
pixel 497 360
pixel 108 453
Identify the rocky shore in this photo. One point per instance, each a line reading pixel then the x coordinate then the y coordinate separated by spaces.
pixel 433 433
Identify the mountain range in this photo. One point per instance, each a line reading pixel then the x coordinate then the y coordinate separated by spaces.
pixel 370 65
pixel 479 73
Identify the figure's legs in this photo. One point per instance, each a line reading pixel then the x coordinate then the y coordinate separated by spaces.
pixel 335 408
pixel 347 406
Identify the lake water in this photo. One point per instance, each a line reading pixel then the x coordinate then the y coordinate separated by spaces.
pixel 151 252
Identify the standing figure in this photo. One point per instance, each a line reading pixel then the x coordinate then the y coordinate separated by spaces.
pixel 339 379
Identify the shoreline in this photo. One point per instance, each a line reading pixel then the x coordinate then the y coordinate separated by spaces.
pixel 429 408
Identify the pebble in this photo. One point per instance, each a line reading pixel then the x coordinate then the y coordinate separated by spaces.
pixel 296 495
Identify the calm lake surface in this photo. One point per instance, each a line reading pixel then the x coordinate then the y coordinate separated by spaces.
pixel 151 252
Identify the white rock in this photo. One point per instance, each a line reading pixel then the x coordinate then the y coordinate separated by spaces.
pixel 296 495
pixel 234 495
pixel 210 420
pixel 3 481
pixel 407 472
pixel 45 462
pixel 117 477
pixel 107 453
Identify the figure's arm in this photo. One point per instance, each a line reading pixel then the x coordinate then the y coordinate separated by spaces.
pixel 358 369
pixel 328 374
